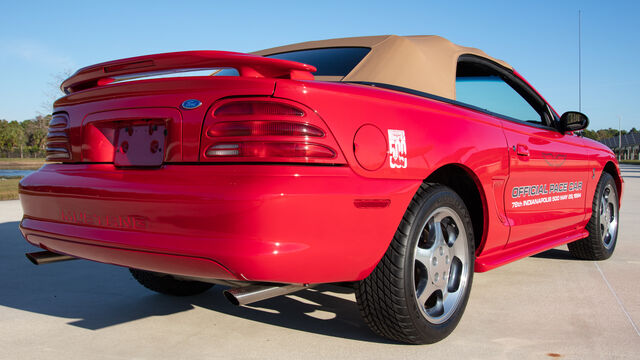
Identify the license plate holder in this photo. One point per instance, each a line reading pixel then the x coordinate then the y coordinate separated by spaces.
pixel 140 144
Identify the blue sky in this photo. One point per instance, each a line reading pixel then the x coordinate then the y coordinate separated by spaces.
pixel 42 40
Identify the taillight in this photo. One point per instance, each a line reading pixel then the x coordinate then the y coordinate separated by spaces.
pixel 240 108
pixel 261 149
pixel 57 142
pixel 264 130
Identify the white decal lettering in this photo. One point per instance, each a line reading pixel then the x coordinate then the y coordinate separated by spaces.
pixel 397 149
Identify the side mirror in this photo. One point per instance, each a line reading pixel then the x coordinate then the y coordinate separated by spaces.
pixel 573 121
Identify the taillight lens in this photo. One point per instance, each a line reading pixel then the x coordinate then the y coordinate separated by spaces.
pixel 57 143
pixel 267 130
pixel 259 149
pixel 264 128
pixel 223 150
pixel 240 108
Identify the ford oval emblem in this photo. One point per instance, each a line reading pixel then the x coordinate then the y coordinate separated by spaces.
pixel 191 104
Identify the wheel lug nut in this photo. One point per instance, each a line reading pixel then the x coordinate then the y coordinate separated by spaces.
pixel 441 251
pixel 434 261
pixel 447 259
pixel 435 277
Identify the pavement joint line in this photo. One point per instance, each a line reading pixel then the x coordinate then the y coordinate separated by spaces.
pixel 624 310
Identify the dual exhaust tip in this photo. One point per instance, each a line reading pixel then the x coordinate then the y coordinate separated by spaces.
pixel 252 293
pixel 47 257
pixel 243 295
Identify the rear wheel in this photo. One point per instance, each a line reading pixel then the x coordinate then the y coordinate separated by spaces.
pixel 167 284
pixel 419 290
pixel 603 225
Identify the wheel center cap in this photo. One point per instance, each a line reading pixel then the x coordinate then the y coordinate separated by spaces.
pixel 441 262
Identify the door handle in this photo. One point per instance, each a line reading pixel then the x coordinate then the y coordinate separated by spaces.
pixel 522 150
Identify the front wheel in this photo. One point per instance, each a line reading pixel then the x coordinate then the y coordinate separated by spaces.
pixel 603 225
pixel 419 290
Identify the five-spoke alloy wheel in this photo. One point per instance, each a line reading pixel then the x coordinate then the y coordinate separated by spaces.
pixel 441 265
pixel 603 225
pixel 419 289
pixel 608 216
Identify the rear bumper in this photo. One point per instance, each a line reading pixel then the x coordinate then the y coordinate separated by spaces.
pixel 292 224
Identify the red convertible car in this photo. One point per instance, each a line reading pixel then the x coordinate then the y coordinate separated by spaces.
pixel 396 165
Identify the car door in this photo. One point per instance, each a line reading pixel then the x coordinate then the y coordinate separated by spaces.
pixel 544 196
pixel 547 182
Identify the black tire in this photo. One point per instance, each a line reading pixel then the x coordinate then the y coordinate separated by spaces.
pixel 388 297
pixel 167 284
pixel 603 225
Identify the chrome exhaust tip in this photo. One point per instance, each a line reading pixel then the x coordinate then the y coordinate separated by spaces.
pixel 47 257
pixel 252 293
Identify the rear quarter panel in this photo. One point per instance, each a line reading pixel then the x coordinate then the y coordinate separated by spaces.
pixel 437 134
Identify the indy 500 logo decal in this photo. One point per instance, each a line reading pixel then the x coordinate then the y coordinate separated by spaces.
pixel 397 149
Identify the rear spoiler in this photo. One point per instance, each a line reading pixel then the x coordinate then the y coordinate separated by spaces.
pixel 246 64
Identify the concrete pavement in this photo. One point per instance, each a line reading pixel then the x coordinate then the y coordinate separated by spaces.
pixel 546 306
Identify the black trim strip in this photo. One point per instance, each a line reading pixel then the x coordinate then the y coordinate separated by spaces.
pixel 256 163
pixel 203 163
pixel 448 101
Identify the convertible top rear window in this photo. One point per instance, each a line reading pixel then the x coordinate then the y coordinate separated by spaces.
pixel 338 61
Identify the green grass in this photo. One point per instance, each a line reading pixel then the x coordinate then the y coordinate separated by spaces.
pixel 9 188
pixel 21 164
pixel 28 160
pixel 634 162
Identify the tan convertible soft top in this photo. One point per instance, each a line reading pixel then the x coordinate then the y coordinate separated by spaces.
pixel 425 63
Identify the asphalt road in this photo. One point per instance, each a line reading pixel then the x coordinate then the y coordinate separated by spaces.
pixel 546 306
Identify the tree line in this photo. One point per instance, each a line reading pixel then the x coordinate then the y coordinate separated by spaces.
pixel 25 138
pixel 603 134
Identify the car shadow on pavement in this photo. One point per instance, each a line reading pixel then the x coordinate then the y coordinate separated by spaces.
pixel 94 296
pixel 556 254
